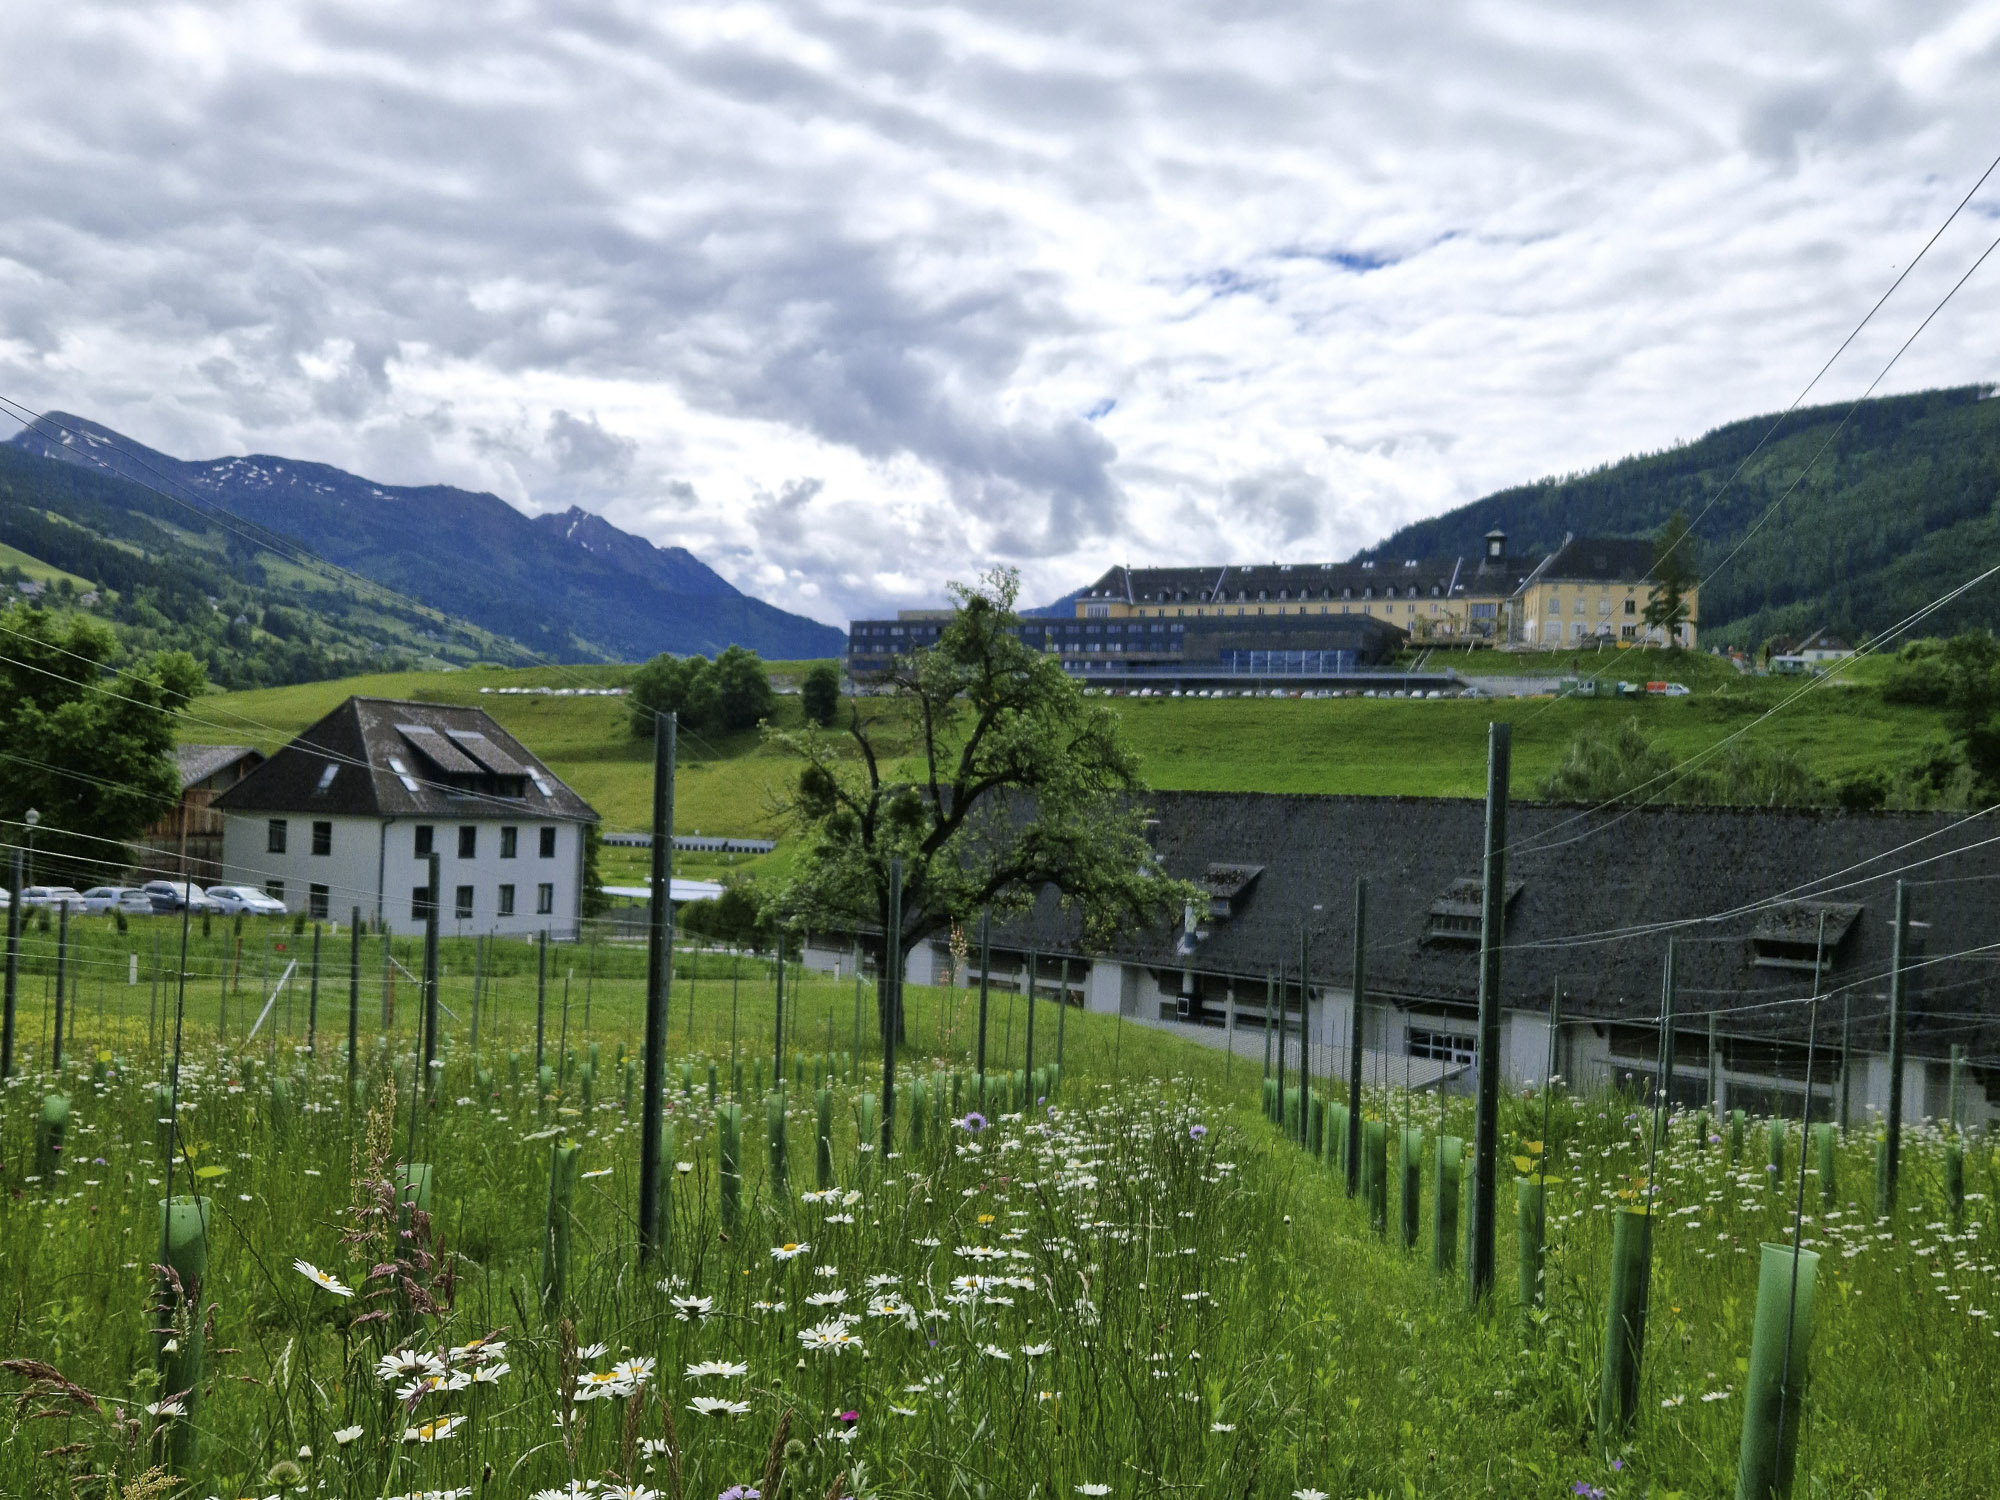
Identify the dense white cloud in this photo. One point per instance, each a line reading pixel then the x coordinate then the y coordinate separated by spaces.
pixel 853 297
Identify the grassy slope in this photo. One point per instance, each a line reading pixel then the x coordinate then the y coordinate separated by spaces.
pixel 1338 1359
pixel 1352 745
pixel 35 568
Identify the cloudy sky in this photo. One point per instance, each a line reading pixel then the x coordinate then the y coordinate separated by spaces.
pixel 853 297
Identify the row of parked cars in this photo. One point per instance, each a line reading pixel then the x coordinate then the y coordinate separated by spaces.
pixel 153 898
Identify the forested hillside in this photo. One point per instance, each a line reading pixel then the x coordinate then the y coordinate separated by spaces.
pixel 1898 509
pixel 170 577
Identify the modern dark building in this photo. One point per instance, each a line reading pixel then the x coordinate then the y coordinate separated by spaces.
pixel 1204 652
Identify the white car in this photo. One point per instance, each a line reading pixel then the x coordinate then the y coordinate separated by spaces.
pixel 231 899
pixel 52 896
pixel 128 899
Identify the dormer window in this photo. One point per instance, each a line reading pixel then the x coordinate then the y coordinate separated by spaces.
pixel 1457 915
pixel 1791 936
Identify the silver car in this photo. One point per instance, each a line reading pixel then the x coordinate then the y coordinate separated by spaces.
pixel 128 899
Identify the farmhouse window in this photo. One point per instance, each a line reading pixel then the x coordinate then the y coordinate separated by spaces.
pixel 548 850
pixel 506 901
pixel 274 836
pixel 317 903
pixel 545 899
pixel 426 837
pixel 322 837
pixel 463 905
pixel 420 903
pixel 509 839
pixel 468 840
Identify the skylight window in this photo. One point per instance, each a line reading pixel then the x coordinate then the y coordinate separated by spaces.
pixel 541 783
pixel 402 771
pixel 326 778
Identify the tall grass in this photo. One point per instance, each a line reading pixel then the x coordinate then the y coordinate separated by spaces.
pixel 1166 1296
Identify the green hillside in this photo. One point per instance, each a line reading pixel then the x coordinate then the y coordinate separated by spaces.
pixel 1900 508
pixel 1384 747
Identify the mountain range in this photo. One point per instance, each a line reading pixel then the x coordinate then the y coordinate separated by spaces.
pixel 567 585
pixel 1848 517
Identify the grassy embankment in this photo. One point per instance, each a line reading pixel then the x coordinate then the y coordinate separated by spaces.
pixel 1384 747
pixel 1169 1314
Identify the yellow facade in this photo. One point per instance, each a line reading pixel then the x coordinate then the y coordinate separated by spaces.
pixel 1580 611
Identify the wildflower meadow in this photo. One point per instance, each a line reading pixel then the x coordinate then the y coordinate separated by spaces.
pixel 1131 1272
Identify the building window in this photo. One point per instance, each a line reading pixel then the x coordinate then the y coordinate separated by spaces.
pixel 426 840
pixel 275 889
pixel 274 836
pixel 506 901
pixel 316 902
pixel 322 838
pixel 548 843
pixel 1555 605
pixel 420 904
pixel 468 840
pixel 545 899
pixel 509 838
pixel 1631 606
pixel 463 905
pixel 1443 1046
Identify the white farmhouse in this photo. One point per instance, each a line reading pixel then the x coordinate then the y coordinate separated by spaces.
pixel 345 816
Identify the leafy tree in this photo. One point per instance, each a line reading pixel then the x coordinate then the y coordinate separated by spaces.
pixel 594 902
pixel 819 694
pixel 732 692
pixel 1625 766
pixel 743 696
pixel 1020 785
pixel 733 917
pixel 1961 676
pixel 92 753
pixel 1673 572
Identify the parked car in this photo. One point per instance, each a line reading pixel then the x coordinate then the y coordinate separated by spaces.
pixel 169 895
pixel 128 899
pixel 5 899
pixel 53 896
pixel 231 899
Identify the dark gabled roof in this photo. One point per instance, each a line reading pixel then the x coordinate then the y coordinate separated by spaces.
pixel 1593 559
pixel 1577 877
pixel 401 759
pixel 199 762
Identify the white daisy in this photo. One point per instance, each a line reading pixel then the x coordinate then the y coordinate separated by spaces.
pixel 721 1367
pixel 718 1406
pixel 322 1279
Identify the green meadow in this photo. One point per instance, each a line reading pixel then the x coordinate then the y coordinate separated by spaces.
pixel 735 784
pixel 1122 1278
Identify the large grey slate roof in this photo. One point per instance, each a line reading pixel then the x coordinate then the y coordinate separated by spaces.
pixel 1599 892
pixel 459 763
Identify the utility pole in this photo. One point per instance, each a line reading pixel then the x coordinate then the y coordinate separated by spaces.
pixel 312 1005
pixel 62 976
pixel 659 982
pixel 353 999
pixel 985 965
pixel 1028 1069
pixel 1492 935
pixel 431 974
pixel 13 971
pixel 892 1001
pixel 778 1030
pixel 1355 1033
pixel 541 1001
pixel 1898 1020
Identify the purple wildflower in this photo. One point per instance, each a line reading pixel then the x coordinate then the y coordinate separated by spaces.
pixel 850 1417
pixel 1196 1132
pixel 973 1123
pixel 740 1492
pixel 1588 1491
